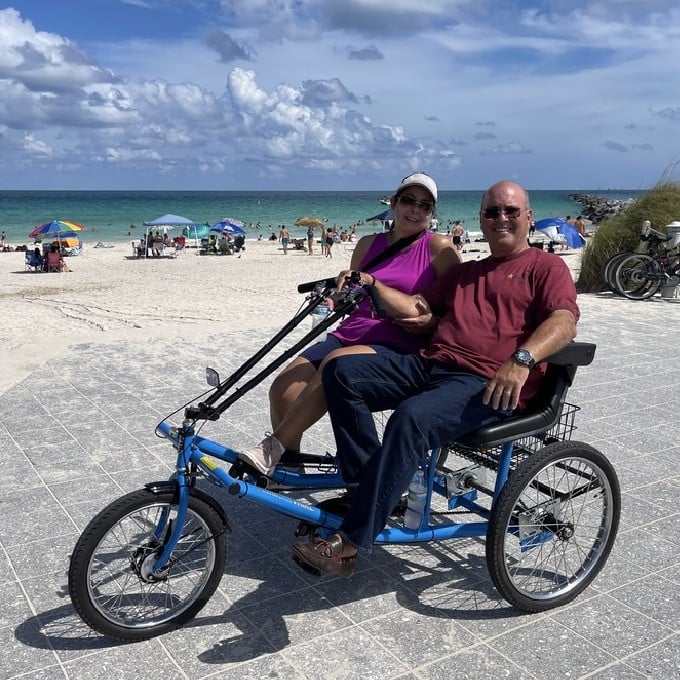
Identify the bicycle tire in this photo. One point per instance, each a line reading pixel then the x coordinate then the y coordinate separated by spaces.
pixel 638 277
pixel 553 526
pixel 109 581
pixel 610 268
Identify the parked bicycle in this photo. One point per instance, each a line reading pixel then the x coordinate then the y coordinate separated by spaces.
pixel 548 506
pixel 641 274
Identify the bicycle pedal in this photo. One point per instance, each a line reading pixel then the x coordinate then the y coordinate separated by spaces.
pixel 240 469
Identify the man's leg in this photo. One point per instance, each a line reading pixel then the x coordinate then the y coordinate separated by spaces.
pixel 355 386
pixel 447 408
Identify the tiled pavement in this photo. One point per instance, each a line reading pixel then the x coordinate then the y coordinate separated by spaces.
pixel 80 433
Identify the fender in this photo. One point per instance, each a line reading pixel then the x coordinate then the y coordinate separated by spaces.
pixel 171 485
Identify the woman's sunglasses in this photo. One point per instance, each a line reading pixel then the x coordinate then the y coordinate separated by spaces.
pixel 410 202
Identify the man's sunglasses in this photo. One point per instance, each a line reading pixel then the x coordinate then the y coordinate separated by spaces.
pixel 410 202
pixel 509 211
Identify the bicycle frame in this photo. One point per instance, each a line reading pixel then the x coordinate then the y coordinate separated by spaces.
pixel 197 455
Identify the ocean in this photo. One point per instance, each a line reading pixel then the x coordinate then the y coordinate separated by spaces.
pixel 118 216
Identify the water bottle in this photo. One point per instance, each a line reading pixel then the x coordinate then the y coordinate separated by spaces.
pixel 415 507
pixel 320 312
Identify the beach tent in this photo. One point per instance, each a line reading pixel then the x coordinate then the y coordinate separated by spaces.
pixel 166 222
pixel 196 232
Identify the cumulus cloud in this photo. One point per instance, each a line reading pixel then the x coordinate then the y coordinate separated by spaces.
pixel 325 92
pixel 669 113
pixel 615 146
pixel 56 93
pixel 143 108
pixel 228 49
pixel 371 53
pixel 625 148
pixel 513 147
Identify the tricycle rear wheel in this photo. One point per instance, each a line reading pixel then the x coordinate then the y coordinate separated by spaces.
pixel 553 526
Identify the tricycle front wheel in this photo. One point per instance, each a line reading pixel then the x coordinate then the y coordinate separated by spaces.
pixel 111 583
pixel 553 526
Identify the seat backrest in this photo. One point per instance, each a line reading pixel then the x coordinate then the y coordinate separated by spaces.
pixel 544 410
pixel 53 259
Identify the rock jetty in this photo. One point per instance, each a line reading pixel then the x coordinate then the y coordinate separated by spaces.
pixel 597 208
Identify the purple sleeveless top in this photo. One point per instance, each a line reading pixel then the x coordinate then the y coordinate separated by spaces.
pixel 409 271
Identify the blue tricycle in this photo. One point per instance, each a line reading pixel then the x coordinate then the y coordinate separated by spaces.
pixel 548 506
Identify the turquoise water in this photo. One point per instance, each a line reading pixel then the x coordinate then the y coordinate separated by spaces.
pixel 110 215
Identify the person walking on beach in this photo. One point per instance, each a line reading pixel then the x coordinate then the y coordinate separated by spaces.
pixel 499 317
pixel 284 237
pixel 407 259
pixel 328 243
pixel 457 235
pixel 580 225
pixel 310 240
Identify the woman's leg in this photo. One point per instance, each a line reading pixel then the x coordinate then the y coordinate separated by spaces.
pixel 310 404
pixel 287 387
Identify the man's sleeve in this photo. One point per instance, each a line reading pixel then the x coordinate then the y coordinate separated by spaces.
pixel 556 290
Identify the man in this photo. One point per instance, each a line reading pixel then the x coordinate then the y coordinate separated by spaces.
pixel 499 318
pixel 284 237
pixel 457 235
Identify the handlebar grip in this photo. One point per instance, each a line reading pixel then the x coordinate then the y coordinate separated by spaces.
pixel 376 300
pixel 311 285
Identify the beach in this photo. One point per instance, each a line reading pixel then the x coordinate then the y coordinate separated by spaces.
pixel 109 295
pixel 93 359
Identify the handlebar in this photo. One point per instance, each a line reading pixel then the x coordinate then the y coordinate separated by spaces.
pixel 327 285
pixel 311 285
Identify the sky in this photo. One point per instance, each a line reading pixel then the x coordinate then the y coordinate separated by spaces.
pixel 338 94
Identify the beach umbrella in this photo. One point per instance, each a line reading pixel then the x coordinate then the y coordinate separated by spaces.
pixel 230 225
pixel 55 228
pixel 384 215
pixel 560 231
pixel 169 221
pixel 308 221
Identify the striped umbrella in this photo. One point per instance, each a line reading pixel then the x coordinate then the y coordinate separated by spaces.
pixel 56 228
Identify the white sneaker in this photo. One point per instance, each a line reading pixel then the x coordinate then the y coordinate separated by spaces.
pixel 265 455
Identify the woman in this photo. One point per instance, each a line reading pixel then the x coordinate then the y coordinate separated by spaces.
pixel 296 396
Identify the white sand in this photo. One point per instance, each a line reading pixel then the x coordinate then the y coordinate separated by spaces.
pixel 110 295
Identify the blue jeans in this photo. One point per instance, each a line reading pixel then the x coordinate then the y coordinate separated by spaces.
pixel 433 404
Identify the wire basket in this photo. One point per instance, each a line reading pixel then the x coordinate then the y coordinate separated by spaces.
pixel 562 430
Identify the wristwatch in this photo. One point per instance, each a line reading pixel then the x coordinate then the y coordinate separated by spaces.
pixel 524 357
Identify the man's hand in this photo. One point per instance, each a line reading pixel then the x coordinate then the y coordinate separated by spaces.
pixel 503 391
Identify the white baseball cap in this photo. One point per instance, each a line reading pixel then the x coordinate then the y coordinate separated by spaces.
pixel 419 179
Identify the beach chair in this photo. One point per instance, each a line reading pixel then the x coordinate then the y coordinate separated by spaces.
pixel 32 263
pixel 54 262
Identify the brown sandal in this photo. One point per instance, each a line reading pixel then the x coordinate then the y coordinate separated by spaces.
pixel 323 556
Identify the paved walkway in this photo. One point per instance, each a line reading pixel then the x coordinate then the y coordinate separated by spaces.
pixel 80 434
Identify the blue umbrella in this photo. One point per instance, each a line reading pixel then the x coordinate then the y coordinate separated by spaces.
pixel 384 215
pixel 230 225
pixel 561 231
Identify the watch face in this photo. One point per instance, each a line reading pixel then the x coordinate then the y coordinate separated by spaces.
pixel 523 356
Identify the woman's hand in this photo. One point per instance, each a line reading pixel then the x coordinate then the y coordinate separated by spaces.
pixel 423 323
pixel 344 276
